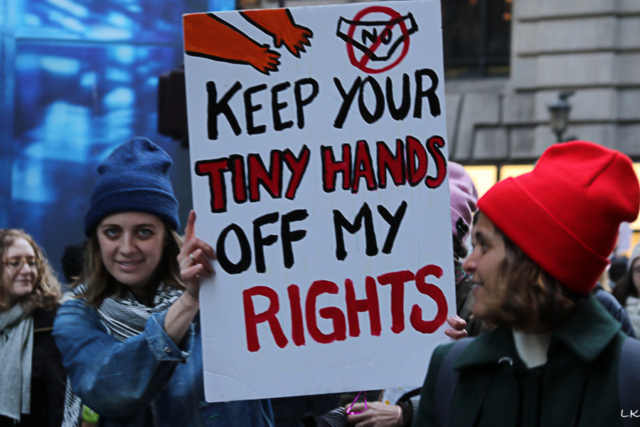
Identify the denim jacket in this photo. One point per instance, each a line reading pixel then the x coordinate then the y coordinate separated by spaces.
pixel 146 380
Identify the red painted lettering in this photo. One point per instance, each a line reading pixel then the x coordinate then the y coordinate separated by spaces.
pixel 434 144
pixel 271 181
pixel 297 166
pixel 214 169
pixel 397 280
pixel 251 319
pixel 369 304
pixel 416 161
pixel 297 325
pixel 363 168
pixel 330 167
pixel 429 326
pixel 391 163
pixel 339 333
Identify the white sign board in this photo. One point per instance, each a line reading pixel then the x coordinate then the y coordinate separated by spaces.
pixel 318 153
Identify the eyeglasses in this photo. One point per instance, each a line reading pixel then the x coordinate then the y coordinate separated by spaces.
pixel 16 264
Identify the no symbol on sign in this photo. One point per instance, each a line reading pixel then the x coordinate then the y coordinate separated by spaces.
pixel 381 36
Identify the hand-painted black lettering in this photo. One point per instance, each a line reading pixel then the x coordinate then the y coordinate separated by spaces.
pixel 340 222
pixel 405 105
pixel 277 106
pixel 245 251
pixel 215 107
pixel 434 102
pixel 378 96
pixel 394 224
pixel 260 242
pixel 250 108
pixel 302 102
pixel 347 100
pixel 289 236
pixel 369 37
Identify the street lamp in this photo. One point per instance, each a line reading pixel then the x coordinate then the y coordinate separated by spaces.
pixel 559 113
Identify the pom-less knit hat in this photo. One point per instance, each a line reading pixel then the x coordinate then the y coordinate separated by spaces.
pixel 565 214
pixel 464 197
pixel 135 177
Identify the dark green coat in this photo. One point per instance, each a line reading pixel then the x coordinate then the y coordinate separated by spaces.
pixel 580 378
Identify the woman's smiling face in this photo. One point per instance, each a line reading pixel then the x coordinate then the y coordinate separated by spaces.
pixel 20 269
pixel 131 245
pixel 485 264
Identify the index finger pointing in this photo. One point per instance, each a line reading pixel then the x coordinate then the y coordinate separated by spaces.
pixel 190 230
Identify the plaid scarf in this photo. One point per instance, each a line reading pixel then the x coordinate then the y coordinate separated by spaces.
pixel 125 317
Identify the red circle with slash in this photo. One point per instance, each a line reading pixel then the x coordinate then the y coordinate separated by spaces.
pixel 362 63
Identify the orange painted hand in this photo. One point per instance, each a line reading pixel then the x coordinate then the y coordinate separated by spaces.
pixel 294 40
pixel 279 24
pixel 207 36
pixel 265 61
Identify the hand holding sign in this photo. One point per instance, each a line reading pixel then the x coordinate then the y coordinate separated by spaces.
pixel 377 414
pixel 322 189
pixel 194 258
pixel 457 330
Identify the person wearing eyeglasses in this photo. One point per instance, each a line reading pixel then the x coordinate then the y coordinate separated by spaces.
pixel 32 378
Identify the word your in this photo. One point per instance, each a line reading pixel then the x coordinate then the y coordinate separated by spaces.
pixel 359 86
pixel 369 304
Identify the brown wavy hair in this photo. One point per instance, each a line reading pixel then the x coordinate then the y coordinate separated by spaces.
pixel 46 291
pixel 625 287
pixel 101 284
pixel 532 300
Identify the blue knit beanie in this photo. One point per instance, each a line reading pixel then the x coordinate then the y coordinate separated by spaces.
pixel 135 177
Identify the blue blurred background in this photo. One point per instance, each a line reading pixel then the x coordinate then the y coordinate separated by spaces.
pixel 78 78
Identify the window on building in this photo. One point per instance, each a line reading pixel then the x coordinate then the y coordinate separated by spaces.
pixel 476 37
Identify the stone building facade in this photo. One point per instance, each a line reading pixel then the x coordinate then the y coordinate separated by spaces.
pixel 589 46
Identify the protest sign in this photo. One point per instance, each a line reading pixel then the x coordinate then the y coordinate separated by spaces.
pixel 319 170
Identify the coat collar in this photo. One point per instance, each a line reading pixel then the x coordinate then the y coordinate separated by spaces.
pixel 586 334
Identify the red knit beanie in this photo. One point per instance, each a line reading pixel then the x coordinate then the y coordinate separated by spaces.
pixel 565 214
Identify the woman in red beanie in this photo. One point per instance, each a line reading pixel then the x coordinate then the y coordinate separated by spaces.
pixel 540 243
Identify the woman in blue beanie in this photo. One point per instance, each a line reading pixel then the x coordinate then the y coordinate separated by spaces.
pixel 130 340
